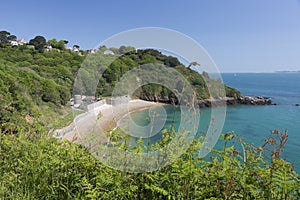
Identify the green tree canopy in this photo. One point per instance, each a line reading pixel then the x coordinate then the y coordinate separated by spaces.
pixel 57 44
pixel 38 42
pixel 11 38
pixel 4 37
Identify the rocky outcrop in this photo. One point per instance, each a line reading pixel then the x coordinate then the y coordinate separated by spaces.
pixel 255 100
pixel 244 100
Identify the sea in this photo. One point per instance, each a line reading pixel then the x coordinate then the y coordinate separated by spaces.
pixel 252 123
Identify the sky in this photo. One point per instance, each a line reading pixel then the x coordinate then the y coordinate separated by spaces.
pixel 240 36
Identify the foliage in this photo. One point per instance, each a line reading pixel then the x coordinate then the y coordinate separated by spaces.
pixel 57 44
pixel 12 38
pixel 34 89
pixel 38 42
pixel 34 85
pixel 4 37
pixel 132 59
pixel 40 167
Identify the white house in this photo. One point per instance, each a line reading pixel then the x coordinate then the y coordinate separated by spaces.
pixel 92 51
pixel 14 43
pixel 108 52
pixel 21 42
pixel 75 48
pixel 48 47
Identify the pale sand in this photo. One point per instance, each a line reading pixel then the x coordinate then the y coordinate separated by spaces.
pixel 96 123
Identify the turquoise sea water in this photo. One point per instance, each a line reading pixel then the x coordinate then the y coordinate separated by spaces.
pixel 253 123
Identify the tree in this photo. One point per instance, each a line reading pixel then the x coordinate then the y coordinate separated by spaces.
pixel 57 44
pixel 11 38
pixel 76 46
pixel 52 42
pixel 38 42
pixel 65 43
pixel 126 49
pixel 171 61
pixel 102 48
pixel 4 37
pixel 61 44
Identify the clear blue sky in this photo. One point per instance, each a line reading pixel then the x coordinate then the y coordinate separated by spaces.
pixel 241 36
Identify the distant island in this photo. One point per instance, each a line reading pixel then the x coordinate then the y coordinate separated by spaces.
pixel 288 71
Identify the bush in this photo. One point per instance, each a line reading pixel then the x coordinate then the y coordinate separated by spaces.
pixel 46 168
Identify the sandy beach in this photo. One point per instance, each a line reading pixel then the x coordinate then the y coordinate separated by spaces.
pixel 103 119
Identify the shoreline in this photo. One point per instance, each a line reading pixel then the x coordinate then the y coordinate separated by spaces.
pixel 111 115
pixel 226 101
pixel 232 101
pixel 132 111
pixel 95 123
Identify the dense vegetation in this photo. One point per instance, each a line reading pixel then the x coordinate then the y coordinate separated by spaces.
pixel 35 86
pixel 155 92
pixel 37 83
pixel 45 168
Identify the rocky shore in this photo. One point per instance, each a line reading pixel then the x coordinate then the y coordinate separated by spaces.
pixel 244 100
pixel 251 100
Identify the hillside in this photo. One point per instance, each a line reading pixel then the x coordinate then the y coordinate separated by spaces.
pixel 158 93
pixel 37 84
pixel 35 87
